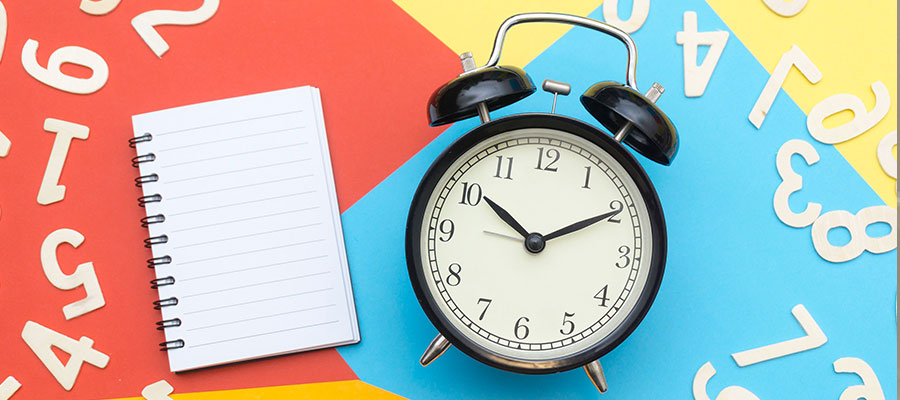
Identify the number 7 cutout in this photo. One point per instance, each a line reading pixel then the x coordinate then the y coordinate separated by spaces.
pixel 814 338
pixel 793 57
pixel 696 77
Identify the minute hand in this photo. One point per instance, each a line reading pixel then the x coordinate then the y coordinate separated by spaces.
pixel 580 225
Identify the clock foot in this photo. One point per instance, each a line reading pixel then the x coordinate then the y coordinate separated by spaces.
pixel 595 372
pixel 437 347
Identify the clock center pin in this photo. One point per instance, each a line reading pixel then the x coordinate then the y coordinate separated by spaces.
pixel 534 242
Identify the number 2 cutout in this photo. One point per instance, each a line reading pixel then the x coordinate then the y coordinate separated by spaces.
pixel 84 275
pixel 145 23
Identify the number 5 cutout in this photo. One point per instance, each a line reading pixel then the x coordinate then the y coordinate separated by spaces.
pixel 702 377
pixel 83 275
pixel 144 24
pixel 814 338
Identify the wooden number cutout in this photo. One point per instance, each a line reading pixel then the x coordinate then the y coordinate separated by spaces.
pixel 158 391
pixel 702 377
pixel 814 338
pixel 4 145
pixel 793 57
pixel 792 182
pixel 885 154
pixel 9 387
pixel 696 77
pixel 41 339
pixel 639 11
pixel 3 26
pixel 786 8
pixel 859 240
pixel 84 275
pixel 52 76
pixel 51 191
pixel 862 119
pixel 144 23
pixel 870 388
pixel 98 7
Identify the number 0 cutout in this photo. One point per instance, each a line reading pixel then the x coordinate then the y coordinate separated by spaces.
pixel 793 57
pixel 41 339
pixel 862 120
pixel 54 77
pixel 696 77
pixel 51 191
pixel 885 155
pixel 145 23
pixel 98 7
pixel 786 8
pixel 9 387
pixel 792 182
pixel 84 275
pixel 158 391
pixel 639 11
pixel 814 338
pixel 870 388
pixel 702 377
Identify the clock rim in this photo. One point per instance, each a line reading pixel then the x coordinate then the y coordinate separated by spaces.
pixel 458 148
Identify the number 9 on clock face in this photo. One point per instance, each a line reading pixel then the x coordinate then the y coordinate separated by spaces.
pixel 536 243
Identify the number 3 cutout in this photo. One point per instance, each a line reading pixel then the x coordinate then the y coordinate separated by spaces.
pixel 144 24
pixel 83 275
pixel 792 182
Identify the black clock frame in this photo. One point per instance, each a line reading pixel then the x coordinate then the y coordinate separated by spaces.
pixel 458 148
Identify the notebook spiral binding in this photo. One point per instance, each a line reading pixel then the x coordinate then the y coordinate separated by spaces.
pixel 154 240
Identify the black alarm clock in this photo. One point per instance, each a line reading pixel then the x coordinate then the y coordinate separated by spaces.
pixel 536 243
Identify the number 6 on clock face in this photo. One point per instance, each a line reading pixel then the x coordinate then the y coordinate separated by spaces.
pixel 574 271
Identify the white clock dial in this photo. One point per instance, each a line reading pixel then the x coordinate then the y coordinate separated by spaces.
pixel 565 297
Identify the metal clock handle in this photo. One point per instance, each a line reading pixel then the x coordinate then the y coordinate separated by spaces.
pixel 570 20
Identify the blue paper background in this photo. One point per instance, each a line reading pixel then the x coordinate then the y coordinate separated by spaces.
pixel 734 271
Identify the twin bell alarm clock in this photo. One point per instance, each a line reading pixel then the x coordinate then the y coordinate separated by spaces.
pixel 536 243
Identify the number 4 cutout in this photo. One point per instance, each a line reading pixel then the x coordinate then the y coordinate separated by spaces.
pixel 41 339
pixel 814 338
pixel 696 77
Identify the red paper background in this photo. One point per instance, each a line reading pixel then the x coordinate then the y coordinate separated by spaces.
pixel 368 58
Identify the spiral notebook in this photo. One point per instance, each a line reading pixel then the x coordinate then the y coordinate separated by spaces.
pixel 244 228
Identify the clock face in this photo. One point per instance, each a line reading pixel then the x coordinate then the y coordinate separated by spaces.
pixel 580 280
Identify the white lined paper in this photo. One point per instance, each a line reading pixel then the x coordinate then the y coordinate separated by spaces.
pixel 253 228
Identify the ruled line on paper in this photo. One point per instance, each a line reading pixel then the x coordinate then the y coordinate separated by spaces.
pixel 238 187
pixel 255 284
pixel 263 334
pixel 250 252
pixel 263 317
pixel 241 203
pixel 236 154
pixel 226 123
pixel 245 219
pixel 230 139
pixel 238 170
pixel 252 268
pixel 248 235
pixel 259 301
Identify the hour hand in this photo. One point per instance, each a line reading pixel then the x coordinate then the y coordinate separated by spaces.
pixel 580 225
pixel 506 217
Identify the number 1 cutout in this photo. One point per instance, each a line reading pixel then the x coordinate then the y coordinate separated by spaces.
pixel 51 191
pixel 793 57
pixel 9 387
pixel 702 377
pixel 696 77
pixel 814 338
pixel 145 23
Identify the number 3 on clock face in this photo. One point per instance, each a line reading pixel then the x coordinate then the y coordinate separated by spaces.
pixel 587 279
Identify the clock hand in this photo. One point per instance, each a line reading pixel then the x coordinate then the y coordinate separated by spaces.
pixel 504 236
pixel 504 215
pixel 580 225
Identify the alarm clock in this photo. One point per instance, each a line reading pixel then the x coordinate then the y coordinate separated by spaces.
pixel 536 243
